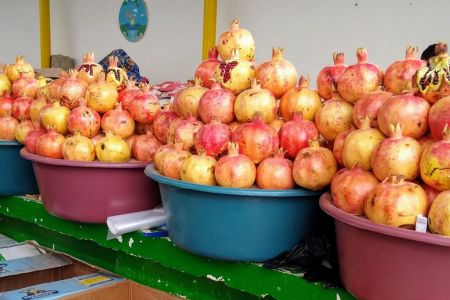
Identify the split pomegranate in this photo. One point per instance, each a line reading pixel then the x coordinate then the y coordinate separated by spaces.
pixel 21 108
pixel 128 94
pixel 144 107
pixel 6 103
pixel 21 130
pixel 5 83
pixel 115 75
pixel 35 108
pixel 314 167
pixel 118 121
pixel 439 117
pixel 235 170
pixel 185 132
pixel 31 139
pixel 8 126
pixel 360 79
pixel 84 120
pixel 25 86
pixel 161 124
pixel 145 146
pixel 212 138
pixel 368 106
pixel 338 145
pixel 57 117
pixel 172 160
pixel 13 71
pixel 236 38
pixel 159 156
pixel 54 88
pixel 275 173
pixel 198 169
pixel 101 96
pixel 78 147
pixel 205 71
pixel 89 70
pixel 438 219
pixel 334 117
pixel 217 103
pixel 112 149
pixel 396 202
pixel 328 76
pixel 72 90
pixel 50 144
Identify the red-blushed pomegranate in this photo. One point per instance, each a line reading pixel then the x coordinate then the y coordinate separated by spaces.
pixel 277 75
pixel 145 146
pixel 144 107
pixel 350 189
pixel 235 74
pixel 314 167
pixel 328 76
pixel 118 121
pixel 360 145
pixel 185 132
pixel 21 130
pixel 6 103
pixel 255 100
pixel 50 144
pixel 98 137
pixel 89 70
pixel 212 138
pixel 295 134
pixel 368 106
pixel 236 38
pixel 20 67
pixel 217 103
pixel 399 76
pixel 21 108
pixel 8 126
pixel 78 147
pixel 439 117
pixel 114 74
pixel 256 139
pixel 112 149
pixel 161 124
pixel 5 83
pixel 35 108
pixel 275 173
pixel 171 131
pixel 172 160
pixel 199 169
pixel 338 145
pixel 235 170
pixel 396 202
pixel 130 140
pixel 31 139
pixel 396 155
pixel 57 117
pixel 73 90
pixel 101 96
pixel 408 110
pixel 334 117
pixel 301 99
pixel 276 124
pixel 54 88
pixel 25 87
pixel 187 101
pixel 159 156
pixel 205 71
pixel 438 219
pixel 432 193
pixel 84 120
pixel 360 79
pixel 128 94
pixel 435 163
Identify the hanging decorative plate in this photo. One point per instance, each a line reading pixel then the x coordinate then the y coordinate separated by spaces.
pixel 133 19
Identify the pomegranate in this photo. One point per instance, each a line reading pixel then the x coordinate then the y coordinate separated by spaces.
pixel 277 75
pixel 205 71
pixel 78 147
pixel 235 170
pixel 295 134
pixel 439 117
pixel 408 110
pixel 25 87
pixel 128 94
pixel 360 79
pixel 338 145
pixel 161 124
pixel 396 202
pixel 396 155
pixel 7 128
pixel 5 83
pixel 236 38
pixel 255 100
pixel 431 192
pixel 328 76
pixel 89 70
pixel 435 163
pixel 57 117
pixel 118 121
pixel 300 99
pixel 145 146
pixel 72 90
pixel 334 117
pixel 256 139
pixel 35 108
pixel 399 76
pixel 235 74
pixel 217 103
pixel 112 148
pixel 21 108
pixel 438 219
pixel 212 138
pixel 13 71
pixel 31 139
pixel 368 106
pixel 97 137
pixel 84 120
pixel 159 156
pixel 21 130
pixel 187 101
pixel 171 131
pixel 314 167
pixel 50 144
pixel 172 160
pixel 185 132
pixel 130 141
pixel 144 107
pixel 54 88
pixel 275 173
pixel 101 96
pixel 276 124
pixel 198 169
pixel 360 144
pixel 6 103
pixel 115 75
pixel 350 189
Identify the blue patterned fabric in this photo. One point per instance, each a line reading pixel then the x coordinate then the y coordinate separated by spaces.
pixel 126 63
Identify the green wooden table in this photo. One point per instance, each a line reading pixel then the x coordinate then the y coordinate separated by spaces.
pixel 155 262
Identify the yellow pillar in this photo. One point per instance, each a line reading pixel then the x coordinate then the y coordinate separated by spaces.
pixel 209 26
pixel 44 22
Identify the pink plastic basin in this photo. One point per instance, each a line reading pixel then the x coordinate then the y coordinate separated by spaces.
pixel 92 191
pixel 380 262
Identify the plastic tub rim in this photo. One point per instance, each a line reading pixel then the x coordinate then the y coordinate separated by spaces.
pixel 151 172
pixel 9 143
pixel 362 223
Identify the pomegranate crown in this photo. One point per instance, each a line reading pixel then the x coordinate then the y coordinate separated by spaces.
pixel 304 81
pixel 197 81
pixel 314 143
pixel 113 61
pixel 338 58
pixel 411 52
pixel 20 59
pixel 361 54
pixel 394 179
pixel 73 73
pixel 365 122
pixel 440 48
pixel 233 149
pixel 279 153
pixel 255 84
pixel 234 24
pixel 213 54
pixel 88 57
pixel 277 53
pixel 396 131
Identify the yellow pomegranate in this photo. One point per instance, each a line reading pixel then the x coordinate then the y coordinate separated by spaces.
pixel 199 169
pixel 101 96
pixel 5 83
pixel 78 147
pixel 112 148
pixel 115 75
pixel 57 117
pixel 439 215
pixel 236 38
pixel 13 71
pixel 21 130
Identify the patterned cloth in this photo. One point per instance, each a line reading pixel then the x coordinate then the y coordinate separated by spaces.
pixel 126 63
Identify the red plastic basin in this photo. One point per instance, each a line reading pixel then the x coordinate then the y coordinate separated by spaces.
pixel 92 191
pixel 383 262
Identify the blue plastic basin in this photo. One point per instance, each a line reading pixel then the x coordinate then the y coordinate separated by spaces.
pixel 16 173
pixel 235 224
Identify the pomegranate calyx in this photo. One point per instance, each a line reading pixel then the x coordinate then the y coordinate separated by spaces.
pixel 234 24
pixel 338 58
pixel 361 54
pixel 277 53
pixel 411 53
pixel 303 82
pixel 396 131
